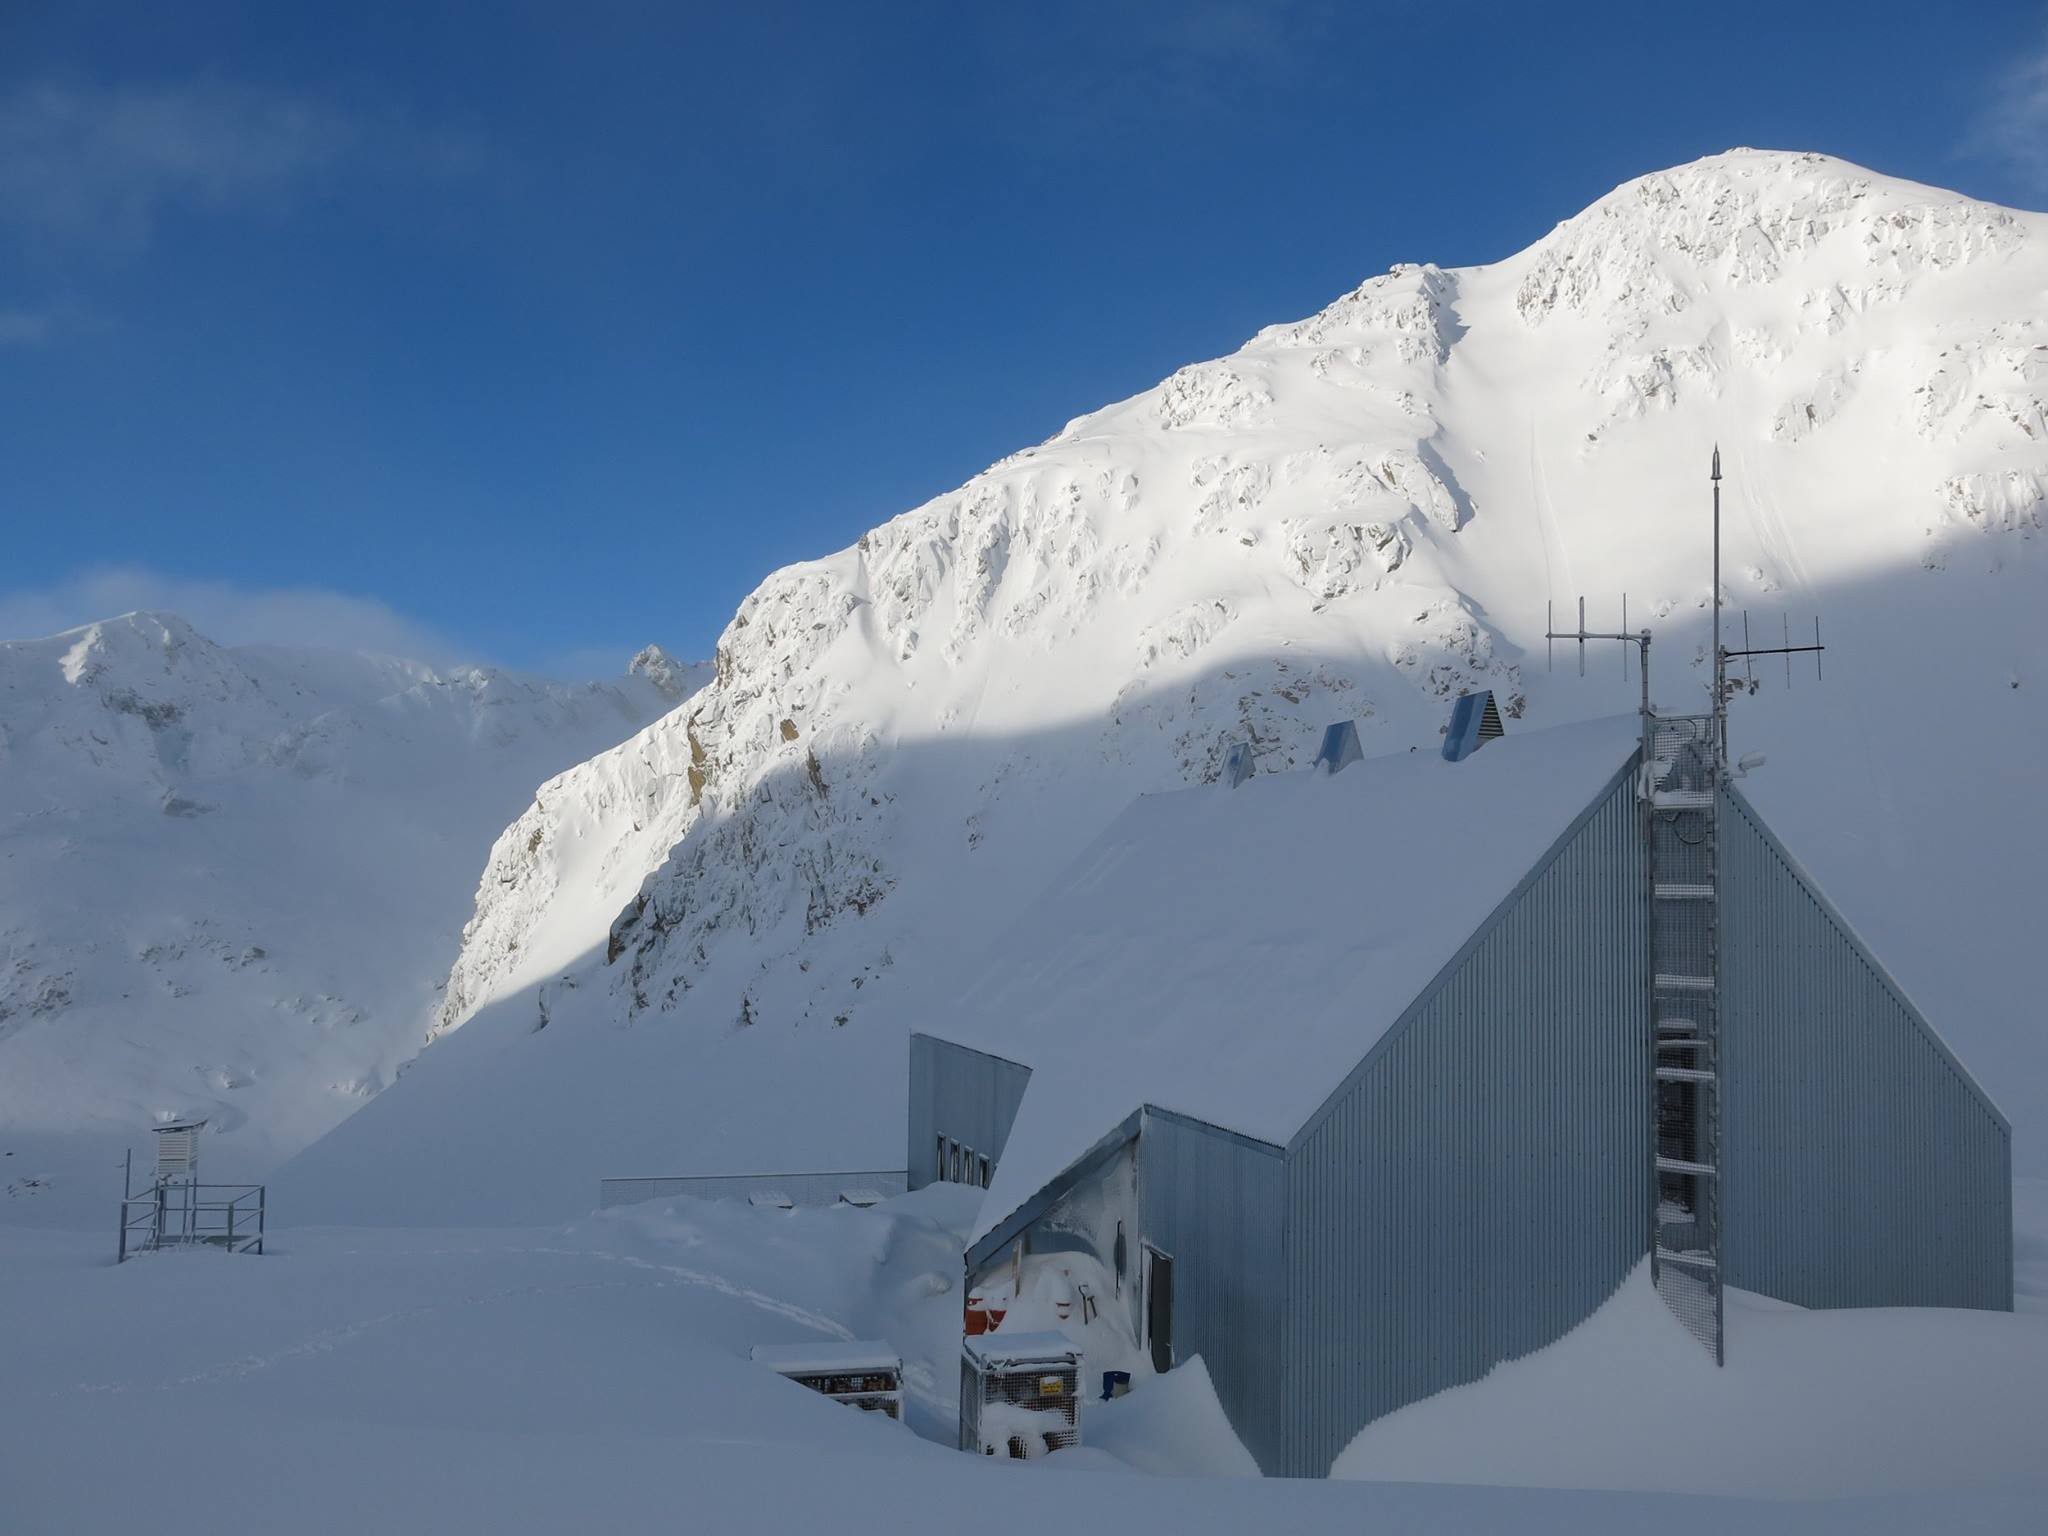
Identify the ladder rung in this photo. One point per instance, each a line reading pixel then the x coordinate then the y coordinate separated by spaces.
pixel 1682 799
pixel 1684 892
pixel 1680 1165
pixel 1694 1260
pixel 1685 983
pixel 1681 1045
pixel 1684 1075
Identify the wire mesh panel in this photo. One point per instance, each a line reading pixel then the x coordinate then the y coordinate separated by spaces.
pixel 1681 797
pixel 1019 1397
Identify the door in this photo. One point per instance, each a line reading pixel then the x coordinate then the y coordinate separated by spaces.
pixel 1159 1307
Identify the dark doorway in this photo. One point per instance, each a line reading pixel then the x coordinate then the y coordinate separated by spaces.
pixel 1159 1308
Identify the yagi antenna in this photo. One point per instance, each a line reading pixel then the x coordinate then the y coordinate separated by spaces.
pixel 1640 639
pixel 1746 653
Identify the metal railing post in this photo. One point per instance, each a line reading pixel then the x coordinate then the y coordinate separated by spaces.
pixel 127 1190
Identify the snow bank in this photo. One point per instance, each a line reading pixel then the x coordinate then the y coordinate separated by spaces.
pixel 1809 1405
pixel 1171 1425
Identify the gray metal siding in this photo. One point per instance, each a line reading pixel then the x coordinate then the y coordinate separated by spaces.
pixel 1214 1202
pixel 1481 1183
pixel 961 1093
pixel 1861 1165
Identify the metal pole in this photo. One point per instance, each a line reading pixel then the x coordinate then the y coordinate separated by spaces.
pixel 127 1188
pixel 1646 692
pixel 1720 661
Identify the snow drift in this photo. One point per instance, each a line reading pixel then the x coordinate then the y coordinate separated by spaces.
pixel 1810 1404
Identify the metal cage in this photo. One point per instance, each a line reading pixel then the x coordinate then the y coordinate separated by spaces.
pixel 1020 1395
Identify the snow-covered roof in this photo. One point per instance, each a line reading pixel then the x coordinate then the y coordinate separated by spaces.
pixel 1232 953
pixel 824 1356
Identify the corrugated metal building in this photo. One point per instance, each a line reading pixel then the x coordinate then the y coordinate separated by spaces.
pixel 1416 1140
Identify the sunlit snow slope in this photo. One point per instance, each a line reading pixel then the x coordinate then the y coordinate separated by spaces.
pixel 702 950
pixel 231 880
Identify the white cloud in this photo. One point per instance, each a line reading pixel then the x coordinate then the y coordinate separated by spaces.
pixel 95 167
pixel 2014 126
pixel 24 328
pixel 227 613
pixel 584 663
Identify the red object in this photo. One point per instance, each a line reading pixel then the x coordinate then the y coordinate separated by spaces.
pixel 980 1316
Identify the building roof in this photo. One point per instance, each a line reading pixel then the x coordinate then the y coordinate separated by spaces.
pixel 1231 954
pixel 818 1357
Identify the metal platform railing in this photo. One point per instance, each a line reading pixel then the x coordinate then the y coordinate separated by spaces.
pixel 178 1213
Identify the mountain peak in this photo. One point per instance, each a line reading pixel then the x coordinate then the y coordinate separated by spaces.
pixel 1746 218
pixel 673 680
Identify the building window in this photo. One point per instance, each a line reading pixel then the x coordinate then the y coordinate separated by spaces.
pixel 958 1164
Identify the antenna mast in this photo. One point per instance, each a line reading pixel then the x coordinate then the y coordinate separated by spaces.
pixel 1678 797
pixel 1720 656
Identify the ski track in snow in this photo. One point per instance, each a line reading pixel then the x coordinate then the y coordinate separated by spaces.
pixel 327 1340
pixel 1551 536
pixel 1776 536
pixel 719 1283
pixel 1772 530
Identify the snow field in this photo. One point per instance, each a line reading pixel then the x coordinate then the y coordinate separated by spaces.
pixel 594 1377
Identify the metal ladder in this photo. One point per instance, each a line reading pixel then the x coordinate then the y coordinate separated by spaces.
pixel 1680 805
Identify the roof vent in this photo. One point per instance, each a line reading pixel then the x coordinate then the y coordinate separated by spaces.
pixel 1340 747
pixel 1237 764
pixel 1475 720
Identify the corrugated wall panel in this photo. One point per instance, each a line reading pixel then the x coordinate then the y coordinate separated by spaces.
pixel 1215 1202
pixel 961 1093
pixel 1861 1165
pixel 1481 1183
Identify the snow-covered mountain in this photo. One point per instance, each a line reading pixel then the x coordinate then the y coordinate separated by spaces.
pixel 702 949
pixel 231 879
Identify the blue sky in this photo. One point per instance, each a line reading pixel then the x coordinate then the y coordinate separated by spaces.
pixel 531 333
